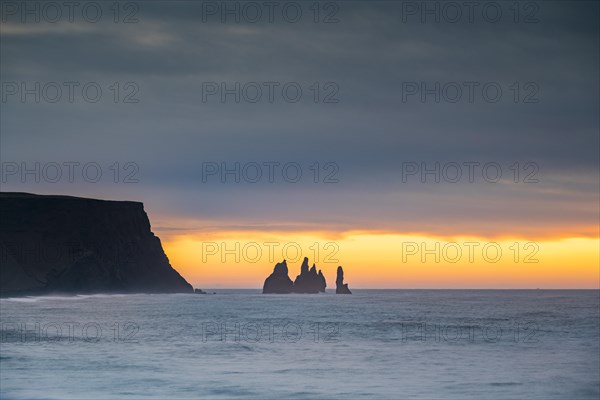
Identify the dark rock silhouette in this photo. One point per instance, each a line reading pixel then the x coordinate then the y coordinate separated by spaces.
pixel 340 286
pixel 322 282
pixel 279 281
pixel 200 291
pixel 309 281
pixel 63 244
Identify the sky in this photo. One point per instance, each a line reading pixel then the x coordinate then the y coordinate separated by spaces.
pixel 418 145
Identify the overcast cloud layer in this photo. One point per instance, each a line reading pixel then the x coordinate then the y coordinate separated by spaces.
pixel 369 134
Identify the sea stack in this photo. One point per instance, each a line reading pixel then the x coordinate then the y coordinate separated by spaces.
pixel 309 281
pixel 278 282
pixel 341 287
pixel 322 282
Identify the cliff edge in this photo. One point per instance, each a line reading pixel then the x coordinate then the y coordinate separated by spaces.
pixel 63 244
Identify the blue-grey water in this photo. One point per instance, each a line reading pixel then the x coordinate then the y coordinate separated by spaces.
pixel 392 344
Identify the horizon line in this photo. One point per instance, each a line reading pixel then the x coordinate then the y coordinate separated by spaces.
pixel 373 288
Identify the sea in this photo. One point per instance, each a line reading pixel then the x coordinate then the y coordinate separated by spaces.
pixel 241 344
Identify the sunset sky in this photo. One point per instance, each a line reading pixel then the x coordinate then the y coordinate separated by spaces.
pixel 367 208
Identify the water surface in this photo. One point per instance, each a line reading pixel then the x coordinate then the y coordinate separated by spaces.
pixel 387 344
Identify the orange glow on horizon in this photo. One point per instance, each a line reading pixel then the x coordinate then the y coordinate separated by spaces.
pixel 244 259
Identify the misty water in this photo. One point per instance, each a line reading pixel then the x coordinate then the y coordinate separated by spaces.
pixel 388 344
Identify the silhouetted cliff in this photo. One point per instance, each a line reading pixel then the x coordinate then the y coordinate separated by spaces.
pixel 77 245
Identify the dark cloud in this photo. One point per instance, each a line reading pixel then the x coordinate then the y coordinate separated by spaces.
pixel 369 133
